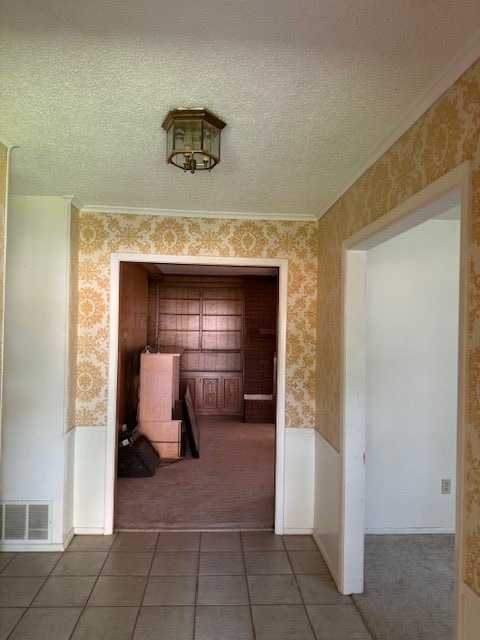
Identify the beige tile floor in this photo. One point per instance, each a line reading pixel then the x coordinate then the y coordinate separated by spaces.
pixel 175 586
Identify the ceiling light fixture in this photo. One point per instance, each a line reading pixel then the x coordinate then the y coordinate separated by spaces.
pixel 193 138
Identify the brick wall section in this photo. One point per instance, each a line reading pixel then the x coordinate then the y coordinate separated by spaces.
pixel 261 411
pixel 261 302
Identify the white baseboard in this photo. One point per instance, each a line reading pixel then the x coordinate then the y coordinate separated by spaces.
pixel 328 561
pixel 89 531
pixel 409 530
pixel 296 531
pixel 15 547
pixel 68 538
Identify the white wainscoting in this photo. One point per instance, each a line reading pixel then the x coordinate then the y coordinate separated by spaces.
pixel 326 528
pixel 299 480
pixel 69 487
pixel 89 494
pixel 90 455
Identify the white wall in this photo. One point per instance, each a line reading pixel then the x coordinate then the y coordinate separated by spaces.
pixel 35 451
pixel 411 382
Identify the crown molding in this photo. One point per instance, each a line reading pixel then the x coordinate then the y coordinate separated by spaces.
pixel 460 64
pixel 74 202
pixel 7 141
pixel 177 213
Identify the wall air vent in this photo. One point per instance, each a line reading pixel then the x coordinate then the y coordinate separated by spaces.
pixel 25 521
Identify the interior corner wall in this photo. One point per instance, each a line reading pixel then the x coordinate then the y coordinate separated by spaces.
pixel 36 451
pixel 411 379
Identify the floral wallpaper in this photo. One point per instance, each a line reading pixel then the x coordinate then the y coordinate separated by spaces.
pixel 101 234
pixel 444 137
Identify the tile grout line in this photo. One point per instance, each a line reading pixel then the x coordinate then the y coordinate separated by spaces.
pixel 28 607
pixel 254 633
pixel 197 585
pixel 352 602
pixel 145 587
pixel 110 553
pixel 45 578
pixel 15 553
pixel 50 574
pixel 314 635
pixel 93 586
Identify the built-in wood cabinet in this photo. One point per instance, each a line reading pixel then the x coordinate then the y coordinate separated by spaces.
pixel 214 392
pixel 205 319
pixel 200 319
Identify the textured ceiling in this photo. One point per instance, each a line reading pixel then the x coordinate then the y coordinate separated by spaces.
pixel 309 90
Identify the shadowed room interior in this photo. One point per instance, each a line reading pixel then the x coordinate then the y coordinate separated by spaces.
pixel 216 328
pixel 230 486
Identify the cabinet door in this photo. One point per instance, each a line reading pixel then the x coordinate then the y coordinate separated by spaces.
pixel 215 393
pixel 210 394
pixel 232 397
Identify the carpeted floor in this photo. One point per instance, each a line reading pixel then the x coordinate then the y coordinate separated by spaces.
pixel 231 485
pixel 408 587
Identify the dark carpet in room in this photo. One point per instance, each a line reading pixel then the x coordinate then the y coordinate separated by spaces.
pixel 231 485
pixel 409 582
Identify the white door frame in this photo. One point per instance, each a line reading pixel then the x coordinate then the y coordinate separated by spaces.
pixel 449 190
pixel 111 437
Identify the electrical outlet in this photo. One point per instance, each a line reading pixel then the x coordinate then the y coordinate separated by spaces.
pixel 446 485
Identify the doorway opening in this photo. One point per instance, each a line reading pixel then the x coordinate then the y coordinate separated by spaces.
pixel 206 328
pixel 446 194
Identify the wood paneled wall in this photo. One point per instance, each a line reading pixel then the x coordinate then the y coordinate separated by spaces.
pixel 132 338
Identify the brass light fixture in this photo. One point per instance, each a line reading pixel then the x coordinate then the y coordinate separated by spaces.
pixel 193 139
